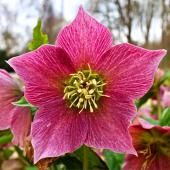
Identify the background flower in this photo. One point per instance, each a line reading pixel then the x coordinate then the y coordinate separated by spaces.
pixel 16 118
pixel 153 148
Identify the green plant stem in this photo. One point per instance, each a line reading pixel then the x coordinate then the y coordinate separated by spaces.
pixel 85 159
pixel 22 157
pixel 159 105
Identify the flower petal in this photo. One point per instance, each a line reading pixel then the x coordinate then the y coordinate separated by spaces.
pixel 143 137
pixel 57 130
pixel 21 125
pixel 43 72
pixel 9 92
pixel 108 126
pixel 130 69
pixel 4 72
pixel 85 39
pixel 134 163
pixel 160 163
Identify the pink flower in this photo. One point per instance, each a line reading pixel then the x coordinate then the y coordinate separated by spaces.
pixel 143 112
pixel 16 118
pixel 166 98
pixel 159 74
pixel 153 148
pixel 84 88
pixel 164 93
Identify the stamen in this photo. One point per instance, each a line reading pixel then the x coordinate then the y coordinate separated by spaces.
pixel 84 89
pixel 74 102
pixel 91 91
pixel 91 108
pixel 94 103
pixel 94 82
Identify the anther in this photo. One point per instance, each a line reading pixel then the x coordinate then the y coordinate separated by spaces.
pixel 91 91
pixel 79 90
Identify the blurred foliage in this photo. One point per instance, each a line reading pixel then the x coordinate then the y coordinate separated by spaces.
pixel 114 160
pixel 165 117
pixel 4 56
pixel 5 137
pixel 74 161
pixel 154 89
pixel 39 38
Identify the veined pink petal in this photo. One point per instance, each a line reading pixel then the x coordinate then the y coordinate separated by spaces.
pixel 6 116
pixel 9 92
pixel 21 125
pixel 130 69
pixel 61 130
pixel 57 131
pixel 85 39
pixel 108 126
pixel 43 72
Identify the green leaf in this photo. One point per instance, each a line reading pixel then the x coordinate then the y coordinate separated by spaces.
pixel 114 160
pixel 39 38
pixel 23 103
pixel 94 161
pixel 7 152
pixel 145 98
pixel 153 90
pixel 31 168
pixel 151 121
pixel 5 132
pixel 74 161
pixel 164 78
pixel 165 117
pixel 5 139
pixel 67 163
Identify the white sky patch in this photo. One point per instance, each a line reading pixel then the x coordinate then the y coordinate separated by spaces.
pixel 156 30
pixel 70 7
pixel 28 16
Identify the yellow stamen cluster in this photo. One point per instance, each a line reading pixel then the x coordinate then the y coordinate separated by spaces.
pixel 84 89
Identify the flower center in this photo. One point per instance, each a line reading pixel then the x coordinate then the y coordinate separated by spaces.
pixel 84 90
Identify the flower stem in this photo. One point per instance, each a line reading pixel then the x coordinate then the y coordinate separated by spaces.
pixel 159 104
pixel 85 158
pixel 22 157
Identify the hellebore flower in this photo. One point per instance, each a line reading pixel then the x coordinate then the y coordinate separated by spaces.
pixel 14 117
pixel 84 88
pixel 153 148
